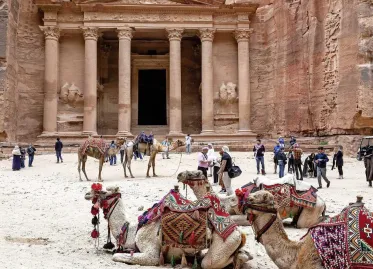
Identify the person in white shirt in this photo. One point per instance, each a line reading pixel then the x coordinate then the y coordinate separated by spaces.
pixel 188 143
pixel 211 156
pixel 167 144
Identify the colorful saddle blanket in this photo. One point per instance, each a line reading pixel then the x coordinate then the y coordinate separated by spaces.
pixel 285 195
pixel 346 240
pixel 100 144
pixel 215 213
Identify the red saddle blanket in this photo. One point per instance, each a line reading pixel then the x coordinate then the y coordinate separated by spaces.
pixel 100 144
pixel 217 216
pixel 346 240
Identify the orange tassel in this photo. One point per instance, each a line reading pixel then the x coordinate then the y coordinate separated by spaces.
pixel 283 214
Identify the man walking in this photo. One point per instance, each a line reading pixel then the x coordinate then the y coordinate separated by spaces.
pixel 321 159
pixel 298 161
pixel 188 144
pixel 31 152
pixel 276 151
pixel 259 150
pixel 58 147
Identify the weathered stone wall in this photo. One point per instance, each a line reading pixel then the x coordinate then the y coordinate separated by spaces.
pixel 304 75
pixel 3 42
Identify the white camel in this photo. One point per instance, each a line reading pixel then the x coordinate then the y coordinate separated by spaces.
pixel 147 239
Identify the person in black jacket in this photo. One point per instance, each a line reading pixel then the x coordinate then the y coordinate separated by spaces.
pixel 58 147
pixel 338 161
pixel 281 158
pixel 31 152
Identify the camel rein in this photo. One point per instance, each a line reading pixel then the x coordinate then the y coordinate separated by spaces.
pixel 265 228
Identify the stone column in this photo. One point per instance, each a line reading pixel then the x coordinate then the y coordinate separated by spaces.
pixel 207 37
pixel 52 35
pixel 175 35
pixel 244 104
pixel 124 66
pixel 90 81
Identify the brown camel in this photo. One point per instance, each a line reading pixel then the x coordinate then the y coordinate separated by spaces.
pixel 142 148
pixel 98 149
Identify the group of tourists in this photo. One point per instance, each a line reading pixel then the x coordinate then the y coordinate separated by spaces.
pixel 218 166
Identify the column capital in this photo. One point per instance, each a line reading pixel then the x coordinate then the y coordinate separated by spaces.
pixel 90 33
pixel 125 33
pixel 51 32
pixel 175 33
pixel 206 34
pixel 243 34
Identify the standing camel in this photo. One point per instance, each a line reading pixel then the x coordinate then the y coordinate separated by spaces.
pixel 98 149
pixel 142 147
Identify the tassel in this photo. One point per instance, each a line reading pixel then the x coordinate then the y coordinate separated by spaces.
pixel 192 239
pixel 181 237
pixel 184 262
pixel 195 264
pixel 195 215
pixel 161 259
pixel 173 263
pixel 283 214
pixel 95 233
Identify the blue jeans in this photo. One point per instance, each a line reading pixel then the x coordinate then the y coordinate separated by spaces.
pixel 259 160
pixel 281 166
pixel 30 159
pixel 59 156
pixel 137 154
pixel 113 159
pixel 187 148
pixel 22 162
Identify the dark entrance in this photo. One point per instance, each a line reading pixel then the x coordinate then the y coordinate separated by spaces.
pixel 152 97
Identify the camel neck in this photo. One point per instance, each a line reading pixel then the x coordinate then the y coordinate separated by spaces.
pixel 199 190
pixel 279 247
pixel 117 219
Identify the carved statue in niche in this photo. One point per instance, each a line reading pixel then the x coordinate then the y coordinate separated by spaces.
pixel 227 93
pixel 71 94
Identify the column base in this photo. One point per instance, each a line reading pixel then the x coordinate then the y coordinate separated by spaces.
pixel 124 133
pixel 246 132
pixel 89 133
pixel 207 132
pixel 48 134
pixel 175 133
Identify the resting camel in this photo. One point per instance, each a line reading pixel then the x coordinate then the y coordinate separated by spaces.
pixel 98 149
pixel 307 218
pixel 148 241
pixel 324 246
pixel 142 147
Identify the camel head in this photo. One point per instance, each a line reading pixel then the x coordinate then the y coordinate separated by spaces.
pixel 120 141
pixel 193 179
pixel 177 143
pixel 97 192
pixel 260 202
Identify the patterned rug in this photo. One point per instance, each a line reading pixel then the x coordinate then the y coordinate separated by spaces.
pixel 217 216
pixel 100 144
pixel 346 240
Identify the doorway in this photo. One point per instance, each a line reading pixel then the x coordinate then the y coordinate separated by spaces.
pixel 152 100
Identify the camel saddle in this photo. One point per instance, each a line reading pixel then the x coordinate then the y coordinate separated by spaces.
pixel 185 222
pixel 346 240
pixel 92 143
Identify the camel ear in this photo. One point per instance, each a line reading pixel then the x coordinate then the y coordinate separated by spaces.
pixel 266 197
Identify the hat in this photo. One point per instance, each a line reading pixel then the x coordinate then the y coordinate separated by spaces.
pixel 209 144
pixel 225 148
pixel 205 148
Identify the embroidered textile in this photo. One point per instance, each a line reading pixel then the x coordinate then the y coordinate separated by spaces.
pixel 100 144
pixel 346 240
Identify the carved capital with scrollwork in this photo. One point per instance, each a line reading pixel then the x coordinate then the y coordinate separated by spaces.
pixel 175 33
pixel 51 32
pixel 125 33
pixel 206 34
pixel 90 33
pixel 242 34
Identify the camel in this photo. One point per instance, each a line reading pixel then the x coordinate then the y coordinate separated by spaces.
pixel 98 149
pixel 148 241
pixel 142 147
pixel 307 218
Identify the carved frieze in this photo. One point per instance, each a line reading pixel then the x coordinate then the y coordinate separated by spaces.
pixel 125 33
pixel 242 34
pixel 70 17
pixel 90 33
pixel 51 32
pixel 225 18
pixel 131 2
pixel 206 34
pixel 145 17
pixel 175 33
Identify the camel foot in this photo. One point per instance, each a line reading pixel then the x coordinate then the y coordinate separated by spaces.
pixel 126 176
pixel 147 176
pixel 80 179
pixel 100 180
pixel 132 177
pixel 88 179
pixel 240 260
pixel 155 175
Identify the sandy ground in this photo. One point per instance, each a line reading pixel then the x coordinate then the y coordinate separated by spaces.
pixel 46 223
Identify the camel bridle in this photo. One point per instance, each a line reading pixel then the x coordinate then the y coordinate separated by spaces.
pixel 251 217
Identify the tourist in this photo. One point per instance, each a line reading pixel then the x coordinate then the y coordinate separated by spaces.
pixel 188 144
pixel 276 150
pixel 291 161
pixel 259 150
pixel 31 152
pixel 281 158
pixel 338 161
pixel 166 143
pixel 281 141
pixel 321 159
pixel 292 141
pixel 309 166
pixel 298 161
pixel 16 158
pixel 226 164
pixel 211 157
pixel 121 151
pixel 203 162
pixel 23 156
pixel 113 157
pixel 58 147
pixel 216 167
pixel 137 154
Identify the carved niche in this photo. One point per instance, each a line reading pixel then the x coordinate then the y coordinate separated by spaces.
pixel 227 93
pixel 71 94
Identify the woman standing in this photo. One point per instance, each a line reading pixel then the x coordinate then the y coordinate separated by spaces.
pixel 203 161
pixel 16 159
pixel 226 164
pixel 23 156
pixel 338 161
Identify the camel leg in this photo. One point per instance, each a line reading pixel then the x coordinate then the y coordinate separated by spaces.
pixel 143 259
pixel 129 166
pixel 102 159
pixel 83 166
pixel 79 164
pixel 124 165
pixel 220 253
pixel 149 165
pixel 154 154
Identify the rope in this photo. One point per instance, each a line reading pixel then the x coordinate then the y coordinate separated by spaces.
pixel 178 166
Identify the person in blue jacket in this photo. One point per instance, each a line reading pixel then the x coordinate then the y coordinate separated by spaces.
pixel 276 150
pixel 320 160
